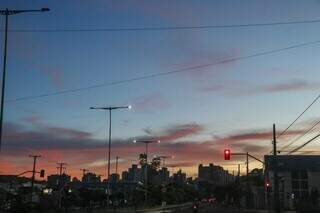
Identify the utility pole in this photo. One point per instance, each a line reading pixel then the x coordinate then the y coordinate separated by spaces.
pixel 34 169
pixel 117 158
pixel 60 167
pixel 247 180
pixel 275 172
pixel 84 171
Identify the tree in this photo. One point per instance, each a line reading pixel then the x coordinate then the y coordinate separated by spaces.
pixel 155 163
pixel 143 159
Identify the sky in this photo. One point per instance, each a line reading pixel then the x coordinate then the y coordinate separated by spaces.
pixel 196 113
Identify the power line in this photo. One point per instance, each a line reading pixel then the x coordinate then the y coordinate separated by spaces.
pixel 300 152
pixel 284 131
pixel 201 27
pixel 305 133
pixel 186 69
pixel 303 145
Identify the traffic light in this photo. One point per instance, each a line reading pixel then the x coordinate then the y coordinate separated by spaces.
pixel 227 154
pixel 267 185
pixel 42 173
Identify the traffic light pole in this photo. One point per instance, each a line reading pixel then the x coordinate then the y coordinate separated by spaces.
pixel 247 171
pixel 247 154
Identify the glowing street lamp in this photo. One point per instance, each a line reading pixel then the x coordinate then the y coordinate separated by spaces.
pixel 146 142
pixel 109 141
pixel 8 13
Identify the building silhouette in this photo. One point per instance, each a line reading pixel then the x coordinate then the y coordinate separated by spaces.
pixel 298 175
pixel 214 174
pixel 58 180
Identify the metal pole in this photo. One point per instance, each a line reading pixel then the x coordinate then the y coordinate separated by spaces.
pixel 109 154
pixel 84 171
pixel 4 73
pixel 146 151
pixel 275 164
pixel 247 178
pixel 60 186
pixel 238 182
pixel 146 176
pixel 33 170
pixel 60 169
pixel 117 164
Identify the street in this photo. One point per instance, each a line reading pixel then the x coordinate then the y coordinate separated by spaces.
pixel 215 209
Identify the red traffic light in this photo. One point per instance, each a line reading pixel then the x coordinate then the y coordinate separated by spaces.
pixel 227 154
pixel 267 185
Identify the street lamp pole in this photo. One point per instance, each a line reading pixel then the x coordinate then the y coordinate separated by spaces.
pixel 109 140
pixel 146 142
pixel 8 13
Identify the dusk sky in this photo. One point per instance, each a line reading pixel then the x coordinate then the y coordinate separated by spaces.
pixel 196 113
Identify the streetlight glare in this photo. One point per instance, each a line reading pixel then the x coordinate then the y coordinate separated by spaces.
pixel 158 141
pixel 129 107
pixel 134 141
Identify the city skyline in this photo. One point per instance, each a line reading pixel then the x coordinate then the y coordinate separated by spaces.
pixel 195 113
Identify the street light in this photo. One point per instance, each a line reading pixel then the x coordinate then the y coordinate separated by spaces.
pixel 164 157
pixel 146 142
pixel 8 13
pixel 109 143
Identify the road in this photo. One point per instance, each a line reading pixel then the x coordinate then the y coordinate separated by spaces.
pixel 214 209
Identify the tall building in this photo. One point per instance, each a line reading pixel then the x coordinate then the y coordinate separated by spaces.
pixel 179 177
pixel 56 179
pixel 214 174
pixel 134 173
pixel 164 174
pixel 298 175
pixel 114 178
pixel 125 176
pixel 91 178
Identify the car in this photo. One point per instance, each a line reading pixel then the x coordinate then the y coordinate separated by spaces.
pixel 204 200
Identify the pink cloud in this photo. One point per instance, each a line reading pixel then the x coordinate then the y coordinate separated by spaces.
pixel 293 85
pixel 33 119
pixel 79 148
pixel 54 75
pixel 253 136
pixel 175 132
pixel 180 131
